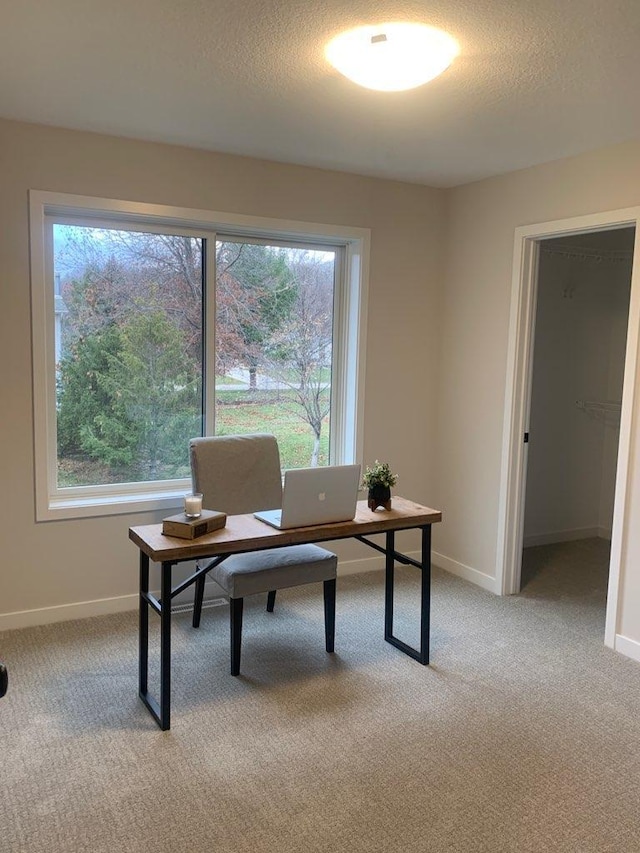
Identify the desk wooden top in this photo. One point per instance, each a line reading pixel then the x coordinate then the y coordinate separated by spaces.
pixel 246 533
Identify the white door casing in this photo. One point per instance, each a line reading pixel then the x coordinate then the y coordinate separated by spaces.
pixel 518 400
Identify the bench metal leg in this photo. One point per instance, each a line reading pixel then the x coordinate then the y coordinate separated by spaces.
pixel 197 601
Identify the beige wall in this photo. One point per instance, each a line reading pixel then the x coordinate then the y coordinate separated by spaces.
pixel 480 224
pixel 436 355
pixel 58 563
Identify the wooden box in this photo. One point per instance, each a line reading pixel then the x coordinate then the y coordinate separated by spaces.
pixel 190 528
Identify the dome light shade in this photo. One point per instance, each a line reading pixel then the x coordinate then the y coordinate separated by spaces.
pixel 392 57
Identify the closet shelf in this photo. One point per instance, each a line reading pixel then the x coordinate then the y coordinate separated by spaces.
pixel 600 408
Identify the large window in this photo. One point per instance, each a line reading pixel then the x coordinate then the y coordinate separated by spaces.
pixel 152 326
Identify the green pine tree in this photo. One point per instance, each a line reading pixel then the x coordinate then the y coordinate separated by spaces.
pixel 85 399
pixel 158 389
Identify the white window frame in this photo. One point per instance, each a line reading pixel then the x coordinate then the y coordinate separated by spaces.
pixel 350 323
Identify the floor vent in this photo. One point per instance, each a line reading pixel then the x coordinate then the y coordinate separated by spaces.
pixel 208 602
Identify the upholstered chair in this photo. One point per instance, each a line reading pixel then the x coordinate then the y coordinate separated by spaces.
pixel 241 474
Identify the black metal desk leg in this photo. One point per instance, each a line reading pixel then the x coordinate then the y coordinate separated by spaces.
pixel 425 595
pixel 143 642
pixel 165 647
pixel 388 584
pixel 421 654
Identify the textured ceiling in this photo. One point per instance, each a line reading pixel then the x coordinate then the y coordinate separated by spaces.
pixel 536 80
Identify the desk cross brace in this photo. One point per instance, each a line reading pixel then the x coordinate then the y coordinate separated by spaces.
pixel 198 575
pixel 397 556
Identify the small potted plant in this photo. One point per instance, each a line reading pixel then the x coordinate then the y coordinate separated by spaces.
pixel 378 479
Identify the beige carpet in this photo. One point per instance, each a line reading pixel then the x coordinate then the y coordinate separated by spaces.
pixel 523 734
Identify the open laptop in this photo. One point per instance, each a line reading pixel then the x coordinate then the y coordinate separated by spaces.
pixel 316 496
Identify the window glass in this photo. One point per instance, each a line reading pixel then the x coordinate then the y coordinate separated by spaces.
pixel 274 323
pixel 128 350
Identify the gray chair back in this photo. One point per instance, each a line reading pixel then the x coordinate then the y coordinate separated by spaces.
pixel 237 473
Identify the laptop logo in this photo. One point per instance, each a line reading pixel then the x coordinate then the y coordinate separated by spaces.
pixel 322 496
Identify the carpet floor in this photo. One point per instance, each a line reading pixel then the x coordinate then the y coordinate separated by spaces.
pixel 521 736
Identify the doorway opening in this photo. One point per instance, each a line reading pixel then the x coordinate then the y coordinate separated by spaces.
pixel 528 248
pixel 579 344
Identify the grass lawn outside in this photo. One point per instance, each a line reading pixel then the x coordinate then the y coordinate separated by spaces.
pixel 295 436
pixel 228 380
pixel 237 413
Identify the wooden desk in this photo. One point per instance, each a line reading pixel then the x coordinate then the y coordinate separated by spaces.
pixel 245 533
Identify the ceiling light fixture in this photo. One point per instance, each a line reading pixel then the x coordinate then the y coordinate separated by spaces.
pixel 392 57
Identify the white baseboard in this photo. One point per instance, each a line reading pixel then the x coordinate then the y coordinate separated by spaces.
pixel 566 536
pixel 357 567
pixel 467 572
pixel 120 604
pixel 65 612
pixel 352 567
pixel 627 647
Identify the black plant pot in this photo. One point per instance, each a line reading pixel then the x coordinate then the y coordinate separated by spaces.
pixel 379 496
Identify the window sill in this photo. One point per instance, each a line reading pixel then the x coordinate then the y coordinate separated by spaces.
pixel 60 508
